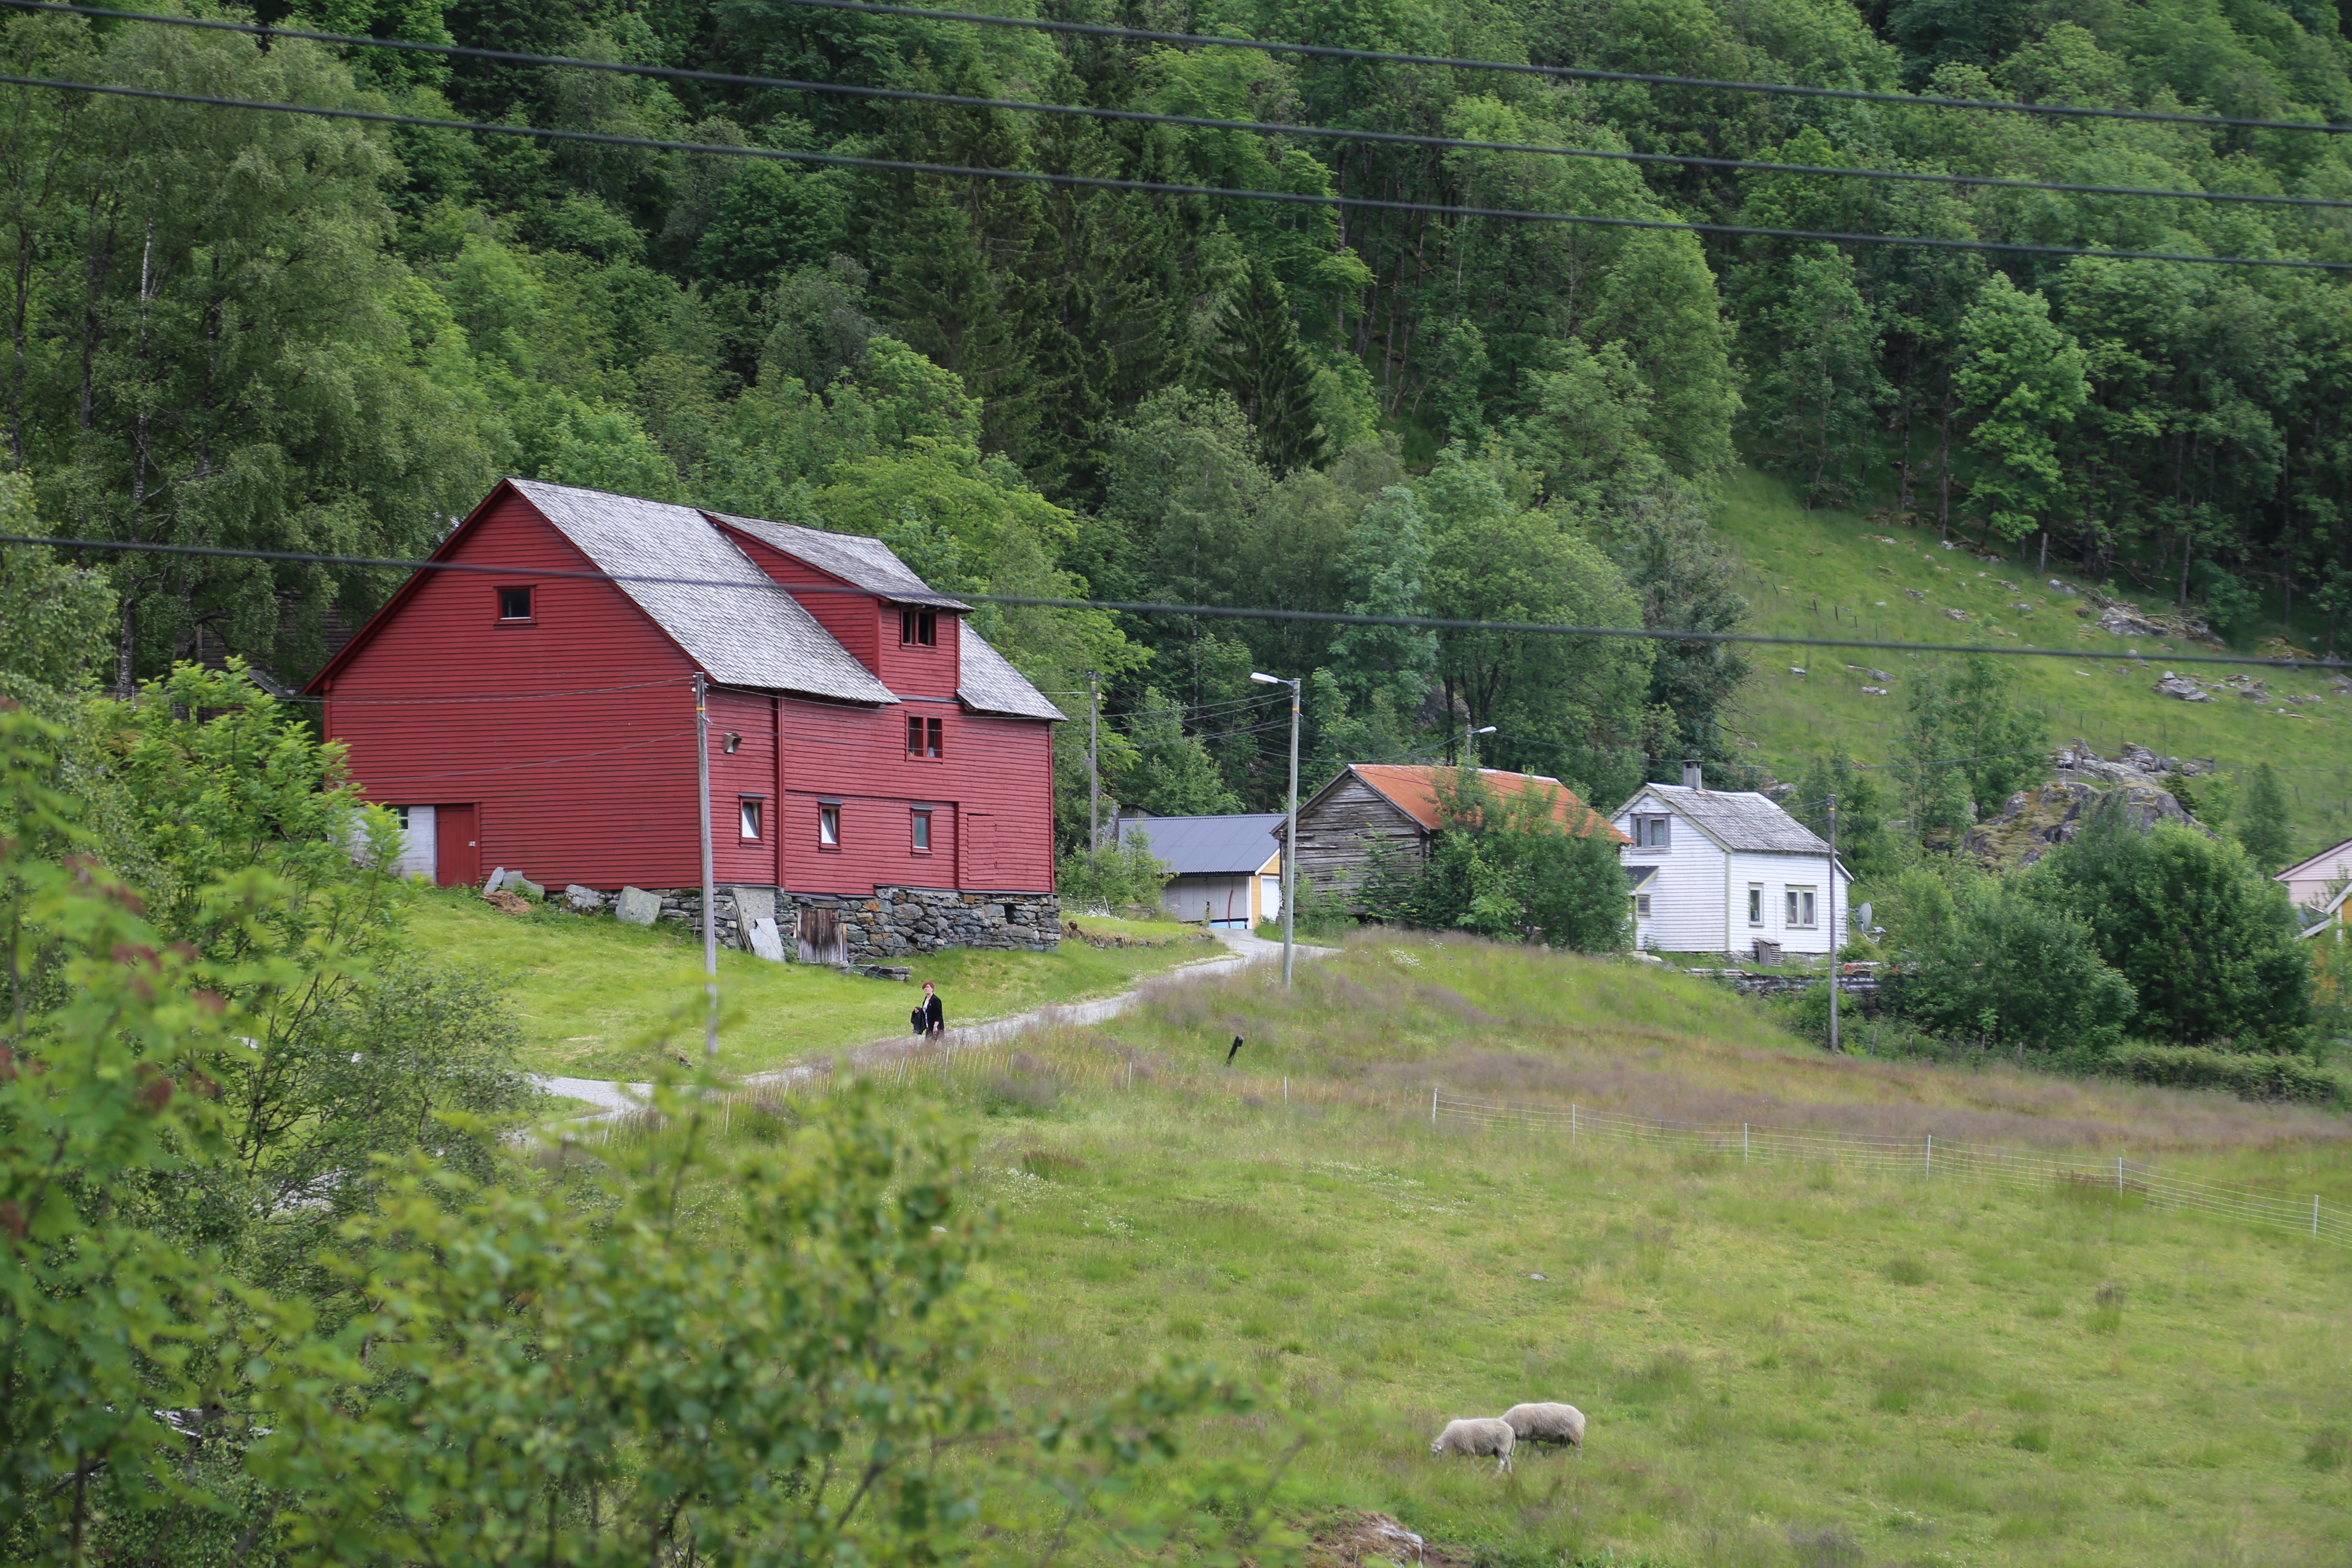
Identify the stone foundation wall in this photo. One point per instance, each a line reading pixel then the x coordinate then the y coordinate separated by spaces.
pixel 896 922
pixel 888 926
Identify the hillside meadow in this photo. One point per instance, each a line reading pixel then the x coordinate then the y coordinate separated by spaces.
pixel 595 998
pixel 1789 1364
pixel 1840 573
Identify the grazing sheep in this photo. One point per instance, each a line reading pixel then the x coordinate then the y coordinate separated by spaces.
pixel 1478 1437
pixel 1547 1423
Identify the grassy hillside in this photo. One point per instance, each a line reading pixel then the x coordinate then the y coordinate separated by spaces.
pixel 596 998
pixel 1832 573
pixel 1781 1365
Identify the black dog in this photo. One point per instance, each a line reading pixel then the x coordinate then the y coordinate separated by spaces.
pixel 1234 1052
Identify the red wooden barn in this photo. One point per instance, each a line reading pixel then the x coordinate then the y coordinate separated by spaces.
pixel 881 778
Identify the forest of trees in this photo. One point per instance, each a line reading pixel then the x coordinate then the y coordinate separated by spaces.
pixel 238 328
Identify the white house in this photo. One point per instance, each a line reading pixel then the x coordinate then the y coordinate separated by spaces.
pixel 1718 870
pixel 2313 883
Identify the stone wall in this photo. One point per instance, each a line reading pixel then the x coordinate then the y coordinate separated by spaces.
pixel 890 925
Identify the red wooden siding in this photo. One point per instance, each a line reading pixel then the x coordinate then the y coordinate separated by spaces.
pixel 912 669
pixel 847 615
pixel 444 705
pixel 572 738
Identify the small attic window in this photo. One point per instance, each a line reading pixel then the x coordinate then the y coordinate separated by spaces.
pixel 919 628
pixel 514 604
pixel 1653 832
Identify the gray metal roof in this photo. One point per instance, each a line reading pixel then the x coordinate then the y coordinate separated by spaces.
pixel 1208 846
pixel 757 638
pixel 862 562
pixel 986 681
pixel 1741 819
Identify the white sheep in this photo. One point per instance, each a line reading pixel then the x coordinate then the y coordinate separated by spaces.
pixel 1547 1423
pixel 1477 1436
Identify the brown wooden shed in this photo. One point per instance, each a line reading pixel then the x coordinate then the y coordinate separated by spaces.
pixel 1372 803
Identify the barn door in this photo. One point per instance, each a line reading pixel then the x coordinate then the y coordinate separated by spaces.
pixel 819 935
pixel 976 838
pixel 456 846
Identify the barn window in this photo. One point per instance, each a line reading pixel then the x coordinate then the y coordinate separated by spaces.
pixel 1801 906
pixel 1756 904
pixel 922 840
pixel 749 807
pixel 514 604
pixel 828 826
pixel 1642 905
pixel 919 628
pixel 924 737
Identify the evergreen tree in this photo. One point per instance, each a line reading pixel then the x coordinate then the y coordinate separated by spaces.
pixel 1818 380
pixel 1261 364
pixel 2263 830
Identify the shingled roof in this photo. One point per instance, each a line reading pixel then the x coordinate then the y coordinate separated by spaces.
pixel 860 561
pixel 1739 819
pixel 986 681
pixel 758 638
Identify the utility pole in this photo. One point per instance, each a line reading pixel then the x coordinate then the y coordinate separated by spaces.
pixel 709 879
pixel 1470 745
pixel 1093 770
pixel 1834 927
pixel 1290 830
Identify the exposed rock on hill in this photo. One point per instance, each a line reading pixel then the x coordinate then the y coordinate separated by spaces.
pixel 2035 821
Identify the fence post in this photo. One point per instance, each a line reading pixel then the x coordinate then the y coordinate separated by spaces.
pixel 1433 1105
pixel 1572 1124
pixel 2119 1175
pixel 1930 1170
pixel 2314 1213
pixel 1743 1142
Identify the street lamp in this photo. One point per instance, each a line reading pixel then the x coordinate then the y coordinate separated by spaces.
pixel 1470 744
pixel 1290 832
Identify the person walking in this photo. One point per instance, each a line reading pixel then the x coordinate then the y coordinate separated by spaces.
pixel 930 1018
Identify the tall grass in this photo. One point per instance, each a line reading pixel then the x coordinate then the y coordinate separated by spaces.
pixel 1772 1358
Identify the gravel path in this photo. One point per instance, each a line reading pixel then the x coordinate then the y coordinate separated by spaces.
pixel 612 1097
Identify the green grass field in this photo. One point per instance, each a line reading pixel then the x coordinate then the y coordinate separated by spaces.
pixel 1781 1364
pixel 1830 574
pixel 597 999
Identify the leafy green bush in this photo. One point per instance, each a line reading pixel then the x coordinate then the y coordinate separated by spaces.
pixel 2009 971
pixel 1114 878
pixel 2243 1073
pixel 1506 869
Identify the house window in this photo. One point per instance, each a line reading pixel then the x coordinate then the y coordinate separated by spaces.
pixel 923 841
pixel 1642 906
pixel 1756 904
pixel 828 826
pixel 919 628
pixel 514 604
pixel 924 737
pixel 749 808
pixel 1800 907
pixel 1652 832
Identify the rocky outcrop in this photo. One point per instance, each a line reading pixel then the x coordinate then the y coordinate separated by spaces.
pixel 2034 822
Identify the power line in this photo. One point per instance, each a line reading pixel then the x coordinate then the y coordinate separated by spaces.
pixel 1130 606
pixel 1571 73
pixel 1150 117
pixel 1160 187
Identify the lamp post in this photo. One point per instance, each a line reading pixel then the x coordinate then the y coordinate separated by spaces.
pixel 1094 767
pixel 1290 832
pixel 1470 744
pixel 1834 927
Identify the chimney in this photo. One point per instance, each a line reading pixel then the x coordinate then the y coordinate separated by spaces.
pixel 1691 774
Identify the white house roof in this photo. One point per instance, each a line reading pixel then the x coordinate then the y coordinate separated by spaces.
pixel 759 636
pixel 2325 863
pixel 861 561
pixel 986 681
pixel 1231 845
pixel 1739 819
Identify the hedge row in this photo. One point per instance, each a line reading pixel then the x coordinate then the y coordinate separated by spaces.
pixel 2250 1076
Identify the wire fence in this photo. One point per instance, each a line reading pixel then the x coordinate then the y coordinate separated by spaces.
pixel 1928 1157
